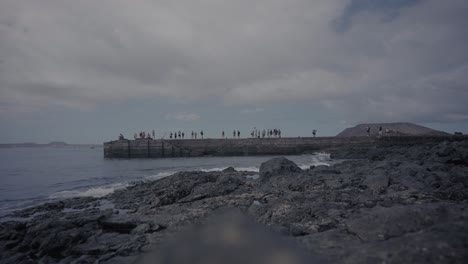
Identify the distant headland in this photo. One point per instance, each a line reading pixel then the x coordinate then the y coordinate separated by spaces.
pixel 391 129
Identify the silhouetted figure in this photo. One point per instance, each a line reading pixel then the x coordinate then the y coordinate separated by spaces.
pixel 252 134
pixel 314 132
pixel 183 135
pixel 238 134
pixel 201 134
pixel 170 135
pixel 222 134
pixel 175 135
pixel 279 133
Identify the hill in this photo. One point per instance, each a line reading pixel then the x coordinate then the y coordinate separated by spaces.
pixel 395 129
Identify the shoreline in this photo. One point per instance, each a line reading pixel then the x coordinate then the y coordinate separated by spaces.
pixel 392 204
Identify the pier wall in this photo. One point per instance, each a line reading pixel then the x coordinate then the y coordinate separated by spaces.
pixel 162 148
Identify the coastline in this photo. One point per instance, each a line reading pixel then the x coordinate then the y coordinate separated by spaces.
pixel 389 204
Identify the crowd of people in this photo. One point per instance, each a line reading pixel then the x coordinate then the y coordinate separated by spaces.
pixel 255 133
pixel 269 133
pixel 144 135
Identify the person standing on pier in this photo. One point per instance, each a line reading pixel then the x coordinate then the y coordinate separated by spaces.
pixel 201 134
pixel 238 134
pixel 314 132
pixel 183 135
pixel 222 134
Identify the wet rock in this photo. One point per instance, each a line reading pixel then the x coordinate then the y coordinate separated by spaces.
pixel 276 167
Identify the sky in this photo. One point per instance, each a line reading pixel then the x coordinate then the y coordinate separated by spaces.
pixel 86 71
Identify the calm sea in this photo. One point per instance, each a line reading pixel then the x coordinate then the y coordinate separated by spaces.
pixel 30 176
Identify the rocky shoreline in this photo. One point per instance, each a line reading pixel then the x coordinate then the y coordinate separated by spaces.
pixel 383 205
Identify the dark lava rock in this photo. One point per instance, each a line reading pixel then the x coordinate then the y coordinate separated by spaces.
pixel 396 204
pixel 277 166
pixel 378 181
pixel 229 169
pixel 454 153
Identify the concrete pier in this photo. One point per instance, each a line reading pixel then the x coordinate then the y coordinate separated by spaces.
pixel 162 148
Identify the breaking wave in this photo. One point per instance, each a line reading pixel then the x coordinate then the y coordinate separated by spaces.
pixel 92 192
pixel 318 159
pixel 252 169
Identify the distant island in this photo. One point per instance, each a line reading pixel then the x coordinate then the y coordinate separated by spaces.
pixel 54 144
pixel 391 129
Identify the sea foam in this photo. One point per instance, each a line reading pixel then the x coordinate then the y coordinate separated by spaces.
pixel 92 192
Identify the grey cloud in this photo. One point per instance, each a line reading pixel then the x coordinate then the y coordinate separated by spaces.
pixel 183 116
pixel 241 52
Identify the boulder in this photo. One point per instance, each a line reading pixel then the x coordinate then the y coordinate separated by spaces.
pixel 277 166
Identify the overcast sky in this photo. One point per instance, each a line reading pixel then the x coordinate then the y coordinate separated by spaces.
pixel 85 71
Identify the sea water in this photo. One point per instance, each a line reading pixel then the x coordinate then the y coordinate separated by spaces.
pixel 31 176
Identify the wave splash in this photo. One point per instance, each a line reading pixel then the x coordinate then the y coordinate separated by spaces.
pixel 318 159
pixel 92 192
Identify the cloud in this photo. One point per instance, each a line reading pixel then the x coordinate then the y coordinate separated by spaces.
pixel 183 116
pixel 361 59
pixel 252 110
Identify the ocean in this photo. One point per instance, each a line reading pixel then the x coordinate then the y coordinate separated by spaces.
pixel 31 176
